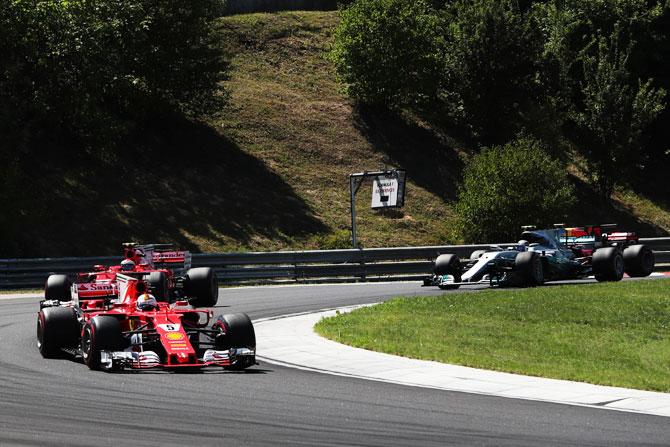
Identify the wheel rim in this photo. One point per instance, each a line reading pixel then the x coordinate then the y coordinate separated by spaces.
pixel 648 261
pixel 618 265
pixel 86 344
pixel 40 334
pixel 538 273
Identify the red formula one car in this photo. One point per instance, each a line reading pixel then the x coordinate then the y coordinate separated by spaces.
pixel 167 272
pixel 143 317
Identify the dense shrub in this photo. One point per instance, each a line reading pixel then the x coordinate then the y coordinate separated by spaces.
pixel 386 51
pixel 492 60
pixel 588 75
pixel 510 186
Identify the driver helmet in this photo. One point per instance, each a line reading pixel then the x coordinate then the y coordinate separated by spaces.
pixel 146 301
pixel 522 245
pixel 127 265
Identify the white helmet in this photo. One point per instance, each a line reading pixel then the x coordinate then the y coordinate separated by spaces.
pixel 146 301
pixel 127 265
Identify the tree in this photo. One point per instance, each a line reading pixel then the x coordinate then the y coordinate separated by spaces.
pixel 510 186
pixel 386 51
pixel 611 124
pixel 603 89
pixel 491 62
pixel 83 70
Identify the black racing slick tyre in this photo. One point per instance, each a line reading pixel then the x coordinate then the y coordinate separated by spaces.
pixel 202 287
pixel 158 285
pixel 237 331
pixel 638 260
pixel 449 264
pixel 608 264
pixel 101 333
pixel 57 328
pixel 529 269
pixel 58 287
pixel 476 254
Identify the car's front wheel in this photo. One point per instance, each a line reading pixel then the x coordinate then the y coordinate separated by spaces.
pixel 101 333
pixel 529 269
pixel 236 331
pixel 449 264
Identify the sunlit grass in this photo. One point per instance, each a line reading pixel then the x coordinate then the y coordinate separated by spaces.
pixel 612 334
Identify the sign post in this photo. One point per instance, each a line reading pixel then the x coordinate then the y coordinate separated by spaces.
pixel 388 191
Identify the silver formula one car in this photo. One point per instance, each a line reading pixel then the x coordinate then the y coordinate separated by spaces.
pixel 548 255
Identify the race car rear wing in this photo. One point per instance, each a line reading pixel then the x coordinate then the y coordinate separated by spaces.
pixel 598 235
pixel 159 256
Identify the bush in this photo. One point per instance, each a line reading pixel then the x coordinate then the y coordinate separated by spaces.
pixel 386 51
pixel 491 64
pixel 510 186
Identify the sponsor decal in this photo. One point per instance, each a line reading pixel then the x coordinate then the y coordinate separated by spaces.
pixel 93 287
pixel 174 336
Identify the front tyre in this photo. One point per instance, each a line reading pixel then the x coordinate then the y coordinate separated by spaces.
pixel 58 287
pixel 158 283
pixel 529 269
pixel 236 331
pixel 101 333
pixel 449 264
pixel 608 264
pixel 202 287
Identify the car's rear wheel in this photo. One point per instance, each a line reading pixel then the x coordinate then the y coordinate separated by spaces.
pixel 158 283
pixel 608 264
pixel 449 264
pixel 101 333
pixel 202 287
pixel 638 260
pixel 58 287
pixel 237 331
pixel 475 255
pixel 57 328
pixel 529 269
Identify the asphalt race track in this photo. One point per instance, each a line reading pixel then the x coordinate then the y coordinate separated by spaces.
pixel 61 402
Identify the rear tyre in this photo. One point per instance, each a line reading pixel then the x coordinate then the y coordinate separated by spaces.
pixel 158 283
pixel 449 264
pixel 237 331
pixel 638 260
pixel 608 264
pixel 101 333
pixel 477 254
pixel 529 269
pixel 57 328
pixel 202 287
pixel 58 287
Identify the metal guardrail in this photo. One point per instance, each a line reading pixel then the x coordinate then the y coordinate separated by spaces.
pixel 370 264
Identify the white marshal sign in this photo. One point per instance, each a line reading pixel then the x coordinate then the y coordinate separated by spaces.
pixel 384 192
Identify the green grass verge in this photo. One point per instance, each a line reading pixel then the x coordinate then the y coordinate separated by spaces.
pixel 611 334
pixel 22 291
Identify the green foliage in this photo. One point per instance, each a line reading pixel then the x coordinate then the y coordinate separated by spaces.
pixel 333 241
pixel 89 70
pixel 387 52
pixel 510 186
pixel 566 71
pixel 614 115
pixel 491 63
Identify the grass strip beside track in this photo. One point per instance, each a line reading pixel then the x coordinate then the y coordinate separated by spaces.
pixel 609 333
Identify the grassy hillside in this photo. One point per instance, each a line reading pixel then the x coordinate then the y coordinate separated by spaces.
pixel 271 172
